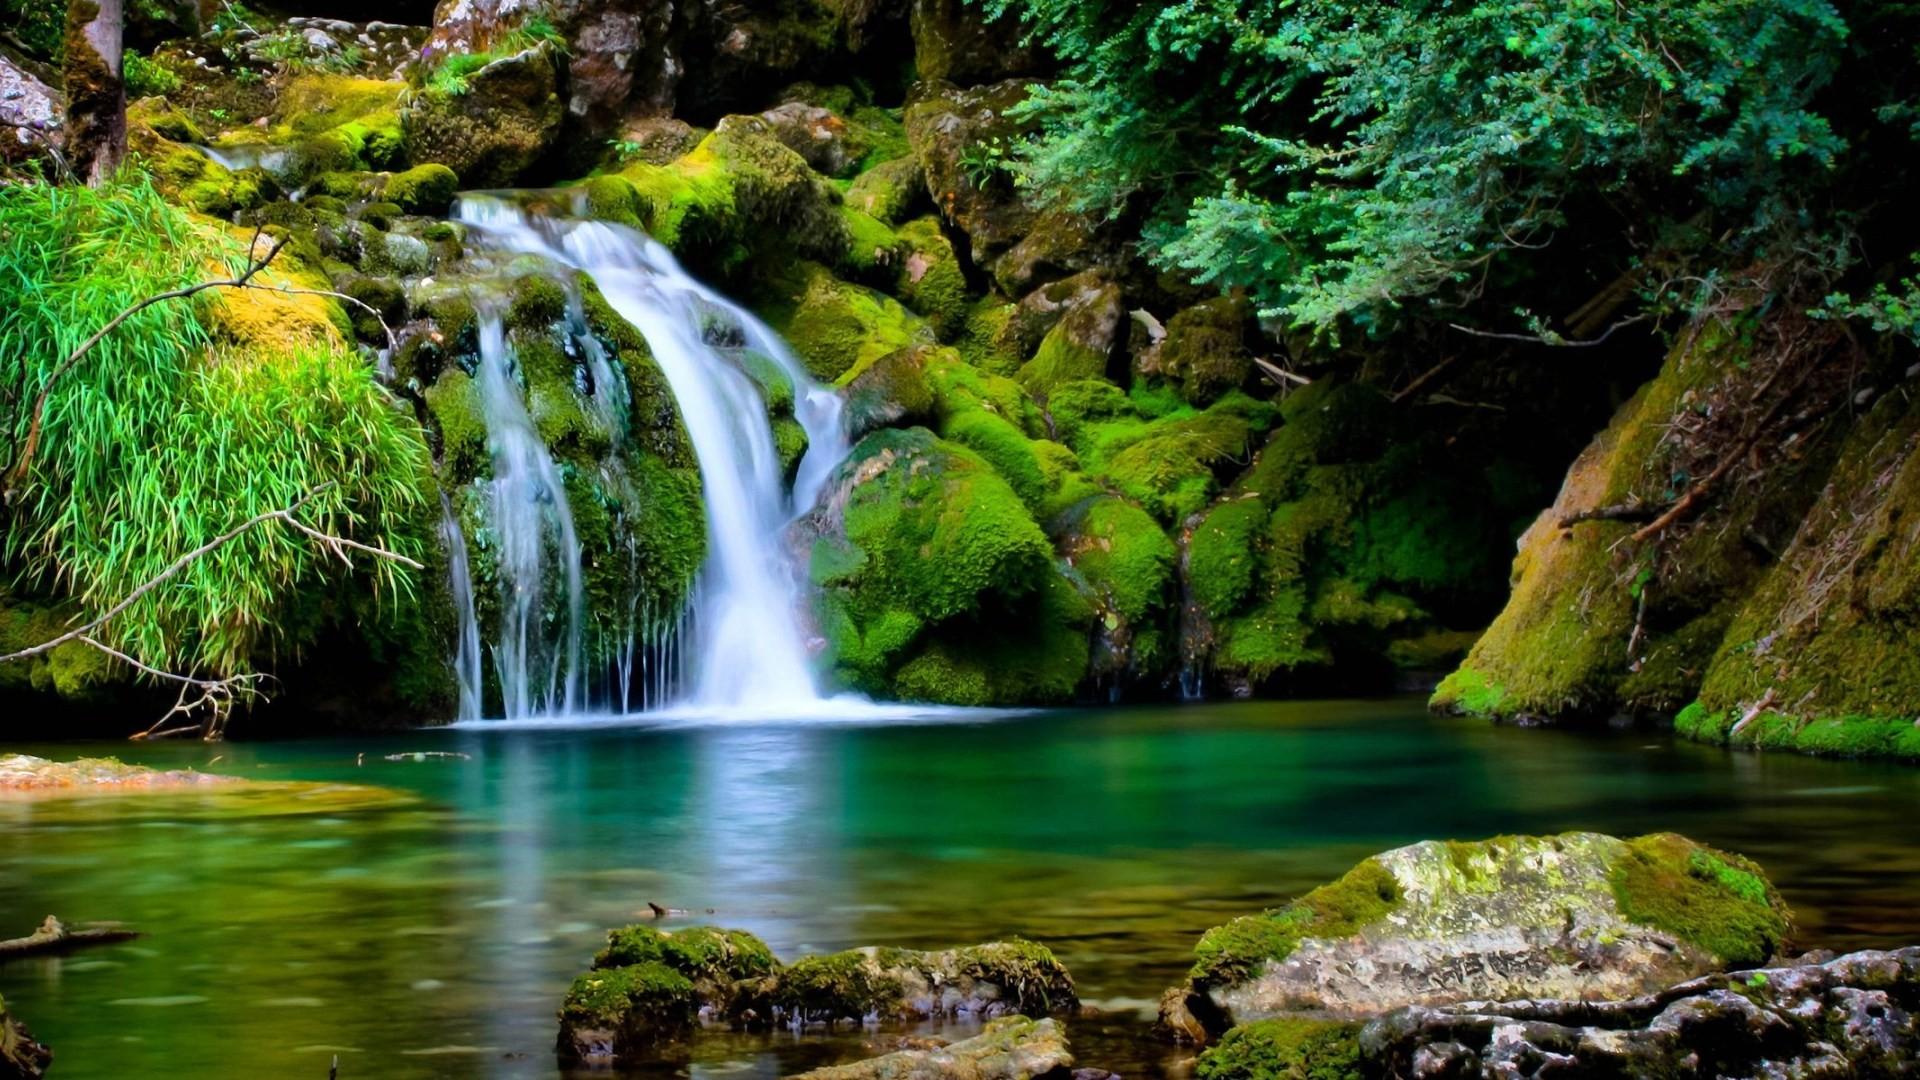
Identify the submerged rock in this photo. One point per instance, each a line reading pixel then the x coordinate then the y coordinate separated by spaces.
pixel 1011 1048
pixel 649 987
pixel 1854 1016
pixel 1580 916
pixel 23 773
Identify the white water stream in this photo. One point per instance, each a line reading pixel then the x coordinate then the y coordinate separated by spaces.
pixel 747 654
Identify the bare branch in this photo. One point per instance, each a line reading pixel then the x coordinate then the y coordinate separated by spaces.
pixel 1279 374
pixel 1554 340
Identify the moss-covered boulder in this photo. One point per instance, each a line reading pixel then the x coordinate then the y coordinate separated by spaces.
pixel 929 280
pixel 423 189
pixel 891 192
pixel 947 130
pixel 1082 343
pixel 892 391
pixel 1204 352
pixel 836 327
pixel 648 988
pixel 624 1013
pixel 1009 1048
pixel 1601 622
pixel 1579 916
pixel 935 583
pixel 495 126
pixel 1127 564
pixel 978 982
pixel 740 192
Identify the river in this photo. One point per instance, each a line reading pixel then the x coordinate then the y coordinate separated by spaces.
pixel 434 934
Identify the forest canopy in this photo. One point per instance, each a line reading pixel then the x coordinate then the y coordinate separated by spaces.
pixel 1351 164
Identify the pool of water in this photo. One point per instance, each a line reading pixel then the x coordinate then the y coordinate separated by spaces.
pixel 434 934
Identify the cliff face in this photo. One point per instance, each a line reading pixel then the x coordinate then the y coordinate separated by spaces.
pixel 1735 547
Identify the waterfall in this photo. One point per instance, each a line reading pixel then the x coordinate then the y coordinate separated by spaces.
pixel 748 655
pixel 466 657
pixel 530 532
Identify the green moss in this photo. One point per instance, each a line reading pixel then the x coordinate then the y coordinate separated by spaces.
pixel 615 199
pixel 1717 901
pixel 873 249
pixel 889 191
pixel 843 985
pixel 1006 448
pixel 1470 692
pixel 1172 466
pixel 455 404
pixel 423 189
pixel 1220 556
pixel 838 328
pixel 1232 953
pixel 1061 359
pixel 929 280
pixel 1205 349
pixel 1286 1048
pixel 641 1004
pixel 959 388
pixel 1028 653
pixel 789 442
pixel 1125 556
pixel 983 336
pixel 700 953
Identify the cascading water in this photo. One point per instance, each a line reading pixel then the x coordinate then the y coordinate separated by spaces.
pixel 529 531
pixel 748 657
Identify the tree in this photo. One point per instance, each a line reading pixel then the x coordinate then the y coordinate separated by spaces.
pixel 96 129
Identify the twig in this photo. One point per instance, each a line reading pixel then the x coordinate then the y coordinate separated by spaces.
pixel 1279 374
pixel 1426 377
pixel 1554 340
pixel 1630 511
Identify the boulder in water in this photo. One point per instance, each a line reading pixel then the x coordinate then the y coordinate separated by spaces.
pixel 1580 916
pixel 978 982
pixel 648 987
pixel 1853 1016
pixel 1011 1048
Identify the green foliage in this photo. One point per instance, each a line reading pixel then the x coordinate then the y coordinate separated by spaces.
pixel 151 447
pixel 145 78
pixel 1285 1048
pixel 1339 160
pixel 1720 902
pixel 449 76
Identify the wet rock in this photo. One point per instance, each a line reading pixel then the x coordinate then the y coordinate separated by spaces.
pixel 1580 916
pixel 815 133
pixel 892 392
pixel 648 988
pixel 978 982
pixel 1854 1016
pixel 1011 1048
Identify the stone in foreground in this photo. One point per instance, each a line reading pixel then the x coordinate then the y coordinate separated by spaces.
pixel 1579 916
pixel 1854 1016
pixel 1011 1048
pixel 25 774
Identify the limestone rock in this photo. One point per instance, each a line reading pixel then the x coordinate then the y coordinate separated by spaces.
pixel 1580 916
pixel 1011 1048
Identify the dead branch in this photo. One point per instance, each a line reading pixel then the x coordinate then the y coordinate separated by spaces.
pixel 54 937
pixel 1426 377
pixel 1549 338
pixel 1279 374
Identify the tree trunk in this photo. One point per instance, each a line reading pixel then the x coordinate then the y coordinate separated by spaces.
pixel 96 92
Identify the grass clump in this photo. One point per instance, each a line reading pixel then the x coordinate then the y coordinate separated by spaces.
pixel 155 442
pixel 1231 953
pixel 1286 1048
pixel 1720 902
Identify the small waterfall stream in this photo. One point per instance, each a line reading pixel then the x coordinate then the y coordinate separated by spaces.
pixel 747 654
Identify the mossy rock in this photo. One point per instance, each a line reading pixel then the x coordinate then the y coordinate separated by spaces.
pixel 1205 351
pixel 890 192
pixel 979 982
pixel 1081 345
pixel 625 1013
pixel 423 189
pixel 714 960
pixel 929 280
pixel 499 129
pixel 838 328
pixel 1128 565
pixel 1579 916
pixel 892 391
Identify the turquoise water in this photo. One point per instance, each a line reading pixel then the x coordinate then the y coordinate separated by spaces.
pixel 433 934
